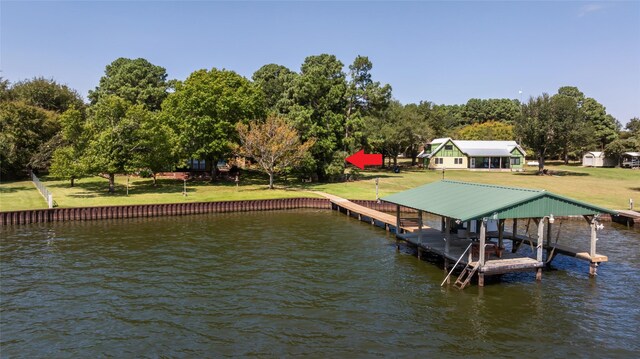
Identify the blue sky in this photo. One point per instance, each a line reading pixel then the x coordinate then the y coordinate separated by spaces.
pixel 444 52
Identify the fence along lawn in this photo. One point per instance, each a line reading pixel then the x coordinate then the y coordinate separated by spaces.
pixel 607 187
pixel 18 195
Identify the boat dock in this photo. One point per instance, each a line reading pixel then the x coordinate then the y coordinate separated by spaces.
pixel 463 237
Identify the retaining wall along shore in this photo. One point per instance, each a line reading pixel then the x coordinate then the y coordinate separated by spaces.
pixel 170 209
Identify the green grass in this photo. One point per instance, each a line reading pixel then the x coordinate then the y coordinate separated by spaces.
pixel 15 196
pixel 607 187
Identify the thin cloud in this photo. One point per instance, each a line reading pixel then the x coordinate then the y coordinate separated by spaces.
pixel 590 8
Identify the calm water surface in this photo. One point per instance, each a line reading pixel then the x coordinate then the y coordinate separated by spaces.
pixel 284 283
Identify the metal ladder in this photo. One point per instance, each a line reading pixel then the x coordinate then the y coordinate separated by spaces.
pixel 467 273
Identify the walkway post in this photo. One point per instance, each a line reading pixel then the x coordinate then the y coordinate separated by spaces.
pixel 483 238
pixel 420 226
pixel 483 235
pixel 592 247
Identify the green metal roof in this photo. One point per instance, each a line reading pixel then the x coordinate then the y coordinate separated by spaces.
pixel 466 201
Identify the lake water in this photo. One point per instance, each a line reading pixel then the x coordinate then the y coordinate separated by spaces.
pixel 292 283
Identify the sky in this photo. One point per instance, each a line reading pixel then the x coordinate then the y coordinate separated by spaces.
pixel 443 52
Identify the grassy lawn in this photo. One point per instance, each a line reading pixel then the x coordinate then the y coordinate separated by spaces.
pixel 607 187
pixel 19 195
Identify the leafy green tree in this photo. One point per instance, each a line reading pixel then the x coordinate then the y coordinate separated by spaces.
pixel 135 80
pixel 112 127
pixel 318 97
pixel 604 126
pixel 46 94
pixel 392 132
pixel 5 90
pixel 274 145
pixel 572 92
pixel 67 160
pixel 572 129
pixel 633 127
pixel 616 148
pixel 274 81
pixel 442 119
pixel 157 149
pixel 537 127
pixel 364 97
pixel 205 108
pixel 23 129
pixel 487 131
pixel 480 111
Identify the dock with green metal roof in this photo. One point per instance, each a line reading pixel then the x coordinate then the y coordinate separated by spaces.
pixel 465 209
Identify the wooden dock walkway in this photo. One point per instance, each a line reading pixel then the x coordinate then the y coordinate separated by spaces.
pixel 370 215
pixel 628 217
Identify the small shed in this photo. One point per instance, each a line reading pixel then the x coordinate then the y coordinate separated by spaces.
pixel 597 159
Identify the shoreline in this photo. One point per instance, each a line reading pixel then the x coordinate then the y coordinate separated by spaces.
pixel 51 215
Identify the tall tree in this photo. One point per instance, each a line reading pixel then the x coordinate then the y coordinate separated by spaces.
pixel 135 80
pixel 46 94
pixel 392 133
pixel 572 129
pixel 318 97
pixel 67 161
pixel 274 144
pixel 480 111
pixel 604 125
pixel 23 128
pixel 275 81
pixel 488 131
pixel 618 147
pixel 537 127
pixel 364 97
pixel 205 108
pixel 157 149
pixel 112 127
pixel 633 127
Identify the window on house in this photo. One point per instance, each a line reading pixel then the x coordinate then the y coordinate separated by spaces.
pixel 439 160
pixel 448 147
pixel 197 165
pixel 457 161
pixel 515 161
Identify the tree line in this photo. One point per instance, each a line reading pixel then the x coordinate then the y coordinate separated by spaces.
pixel 138 120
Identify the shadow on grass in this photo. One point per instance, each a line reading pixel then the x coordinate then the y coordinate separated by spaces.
pixel 637 189
pixel 553 173
pixel 14 189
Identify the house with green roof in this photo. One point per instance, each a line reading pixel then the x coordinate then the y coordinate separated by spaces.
pixel 447 153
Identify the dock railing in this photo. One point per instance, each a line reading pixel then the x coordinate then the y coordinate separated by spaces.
pixel 455 265
pixel 43 190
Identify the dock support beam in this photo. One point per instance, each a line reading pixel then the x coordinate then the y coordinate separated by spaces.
pixel 539 247
pixel 483 239
pixel 592 248
pixel 420 226
pixel 398 231
pixel 548 240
